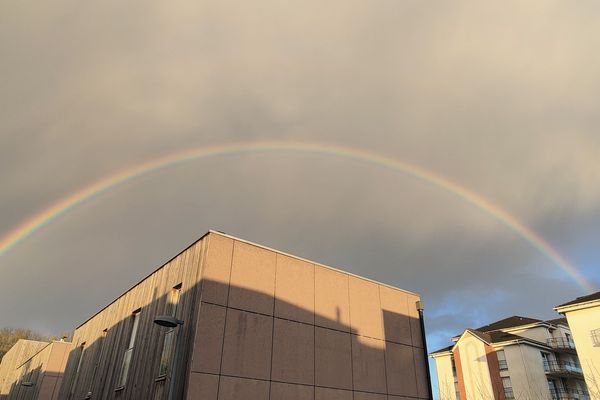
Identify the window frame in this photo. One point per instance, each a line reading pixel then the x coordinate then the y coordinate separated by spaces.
pixel 169 337
pixel 128 354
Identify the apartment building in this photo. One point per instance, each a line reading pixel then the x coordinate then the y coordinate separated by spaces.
pixel 583 315
pixel 226 319
pixel 33 370
pixel 514 358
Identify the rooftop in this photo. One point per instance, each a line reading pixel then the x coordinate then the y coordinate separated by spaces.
pixel 510 322
pixel 582 299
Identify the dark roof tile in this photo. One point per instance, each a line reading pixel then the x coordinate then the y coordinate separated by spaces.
pixel 510 322
pixel 582 299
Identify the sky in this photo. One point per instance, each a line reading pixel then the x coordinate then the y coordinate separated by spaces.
pixel 500 98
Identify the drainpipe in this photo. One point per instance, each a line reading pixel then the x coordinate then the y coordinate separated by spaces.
pixel 420 308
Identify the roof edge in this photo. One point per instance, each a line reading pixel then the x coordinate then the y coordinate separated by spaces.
pixel 311 261
pixel 215 232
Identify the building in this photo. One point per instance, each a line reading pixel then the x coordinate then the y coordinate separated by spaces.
pixel 33 370
pixel 514 358
pixel 226 319
pixel 583 315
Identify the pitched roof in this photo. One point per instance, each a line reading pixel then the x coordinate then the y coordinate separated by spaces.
pixel 492 337
pixel 582 299
pixel 443 350
pixel 499 336
pixel 510 322
pixel 557 321
pixel 495 336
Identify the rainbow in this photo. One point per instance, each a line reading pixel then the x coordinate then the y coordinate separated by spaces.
pixel 64 205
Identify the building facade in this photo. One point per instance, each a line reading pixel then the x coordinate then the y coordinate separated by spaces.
pixel 583 315
pixel 514 358
pixel 33 370
pixel 230 320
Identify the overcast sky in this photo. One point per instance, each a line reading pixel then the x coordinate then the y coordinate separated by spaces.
pixel 501 97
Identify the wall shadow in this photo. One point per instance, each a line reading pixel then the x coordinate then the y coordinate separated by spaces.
pixel 95 363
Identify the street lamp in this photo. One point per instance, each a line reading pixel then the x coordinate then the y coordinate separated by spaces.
pixel 169 321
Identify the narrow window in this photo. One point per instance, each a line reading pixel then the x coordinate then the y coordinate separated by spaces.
pixel 502 360
pixel 81 352
pixel 98 357
pixel 553 388
pixel 129 352
pixel 453 366
pixel 595 335
pixel 508 390
pixel 169 341
pixel 546 360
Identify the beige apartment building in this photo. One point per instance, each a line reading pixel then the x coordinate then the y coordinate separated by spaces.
pixel 226 319
pixel 33 370
pixel 514 358
pixel 583 315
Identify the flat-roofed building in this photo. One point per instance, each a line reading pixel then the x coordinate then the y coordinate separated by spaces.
pixel 33 370
pixel 226 319
pixel 514 358
pixel 583 315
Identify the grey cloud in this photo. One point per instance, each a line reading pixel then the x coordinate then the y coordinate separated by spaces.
pixel 501 98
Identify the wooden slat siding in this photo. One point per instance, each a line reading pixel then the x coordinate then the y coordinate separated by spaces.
pixel 35 369
pixel 151 295
pixel 191 308
pixel 15 357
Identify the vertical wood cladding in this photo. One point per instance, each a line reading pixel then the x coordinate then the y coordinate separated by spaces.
pixel 12 360
pixel 101 341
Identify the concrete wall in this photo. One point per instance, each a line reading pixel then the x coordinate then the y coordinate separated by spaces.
pixel 539 333
pixel 271 326
pixel 526 371
pixel 582 323
pixel 445 377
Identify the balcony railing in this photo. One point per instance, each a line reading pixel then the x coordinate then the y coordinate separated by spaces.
pixel 569 394
pixel 563 368
pixel 508 393
pixel 503 365
pixel 561 344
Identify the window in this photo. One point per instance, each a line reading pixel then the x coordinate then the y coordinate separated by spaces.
pixel 595 334
pixel 508 390
pixel 553 388
pixel 81 352
pixel 170 339
pixel 98 357
pixel 129 352
pixel 502 360
pixel 453 367
pixel 546 360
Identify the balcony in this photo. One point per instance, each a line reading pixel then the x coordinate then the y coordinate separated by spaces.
pixel 508 393
pixel 569 394
pixel 563 369
pixel 561 344
pixel 503 366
